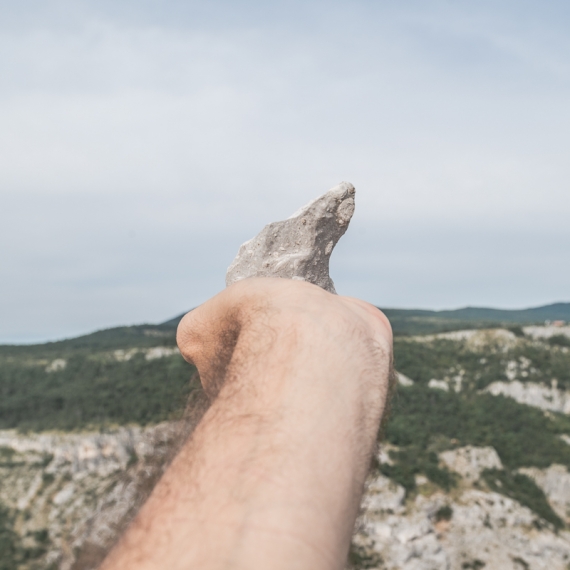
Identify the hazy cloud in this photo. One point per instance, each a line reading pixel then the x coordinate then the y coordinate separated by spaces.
pixel 142 142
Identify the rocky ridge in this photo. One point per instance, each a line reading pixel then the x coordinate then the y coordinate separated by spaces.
pixel 81 489
pixel 72 494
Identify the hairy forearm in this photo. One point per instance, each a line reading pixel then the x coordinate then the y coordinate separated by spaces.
pixel 273 474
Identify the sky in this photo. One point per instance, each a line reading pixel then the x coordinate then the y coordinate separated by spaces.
pixel 142 142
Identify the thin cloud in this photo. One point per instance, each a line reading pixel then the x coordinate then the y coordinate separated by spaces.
pixel 142 143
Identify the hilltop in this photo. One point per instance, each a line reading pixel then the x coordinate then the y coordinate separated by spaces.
pixel 418 321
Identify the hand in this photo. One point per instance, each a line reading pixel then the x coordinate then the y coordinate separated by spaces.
pixel 208 335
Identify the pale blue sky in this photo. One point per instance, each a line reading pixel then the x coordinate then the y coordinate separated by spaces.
pixel 142 142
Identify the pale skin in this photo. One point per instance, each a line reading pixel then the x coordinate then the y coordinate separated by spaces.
pixel 273 475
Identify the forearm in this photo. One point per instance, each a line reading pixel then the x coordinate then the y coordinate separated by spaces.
pixel 273 474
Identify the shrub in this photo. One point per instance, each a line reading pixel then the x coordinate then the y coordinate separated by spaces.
pixel 559 340
pixel 524 490
pixel 443 514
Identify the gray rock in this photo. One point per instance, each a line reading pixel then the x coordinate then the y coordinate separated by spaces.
pixel 471 461
pixel 300 246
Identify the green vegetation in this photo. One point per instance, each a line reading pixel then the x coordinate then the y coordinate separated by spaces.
pixel 413 460
pixel 443 514
pixel 95 388
pixel 546 363
pixel 12 552
pixel 517 330
pixel 9 541
pixel 98 386
pixel 92 390
pixel 6 454
pixel 410 325
pixel 140 336
pixel 417 321
pixel 359 558
pixel 440 358
pixel 473 565
pixel 522 436
pixel 524 490
pixel 426 421
pixel 559 340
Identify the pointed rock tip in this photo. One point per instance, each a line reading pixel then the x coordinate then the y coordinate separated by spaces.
pixel 300 246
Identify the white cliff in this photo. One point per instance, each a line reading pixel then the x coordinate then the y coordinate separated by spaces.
pixel 470 461
pixel 533 394
pixel 470 528
pixel 81 488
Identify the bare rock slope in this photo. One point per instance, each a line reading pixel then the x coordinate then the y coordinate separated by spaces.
pixel 76 492
pixel 470 528
pixel 73 494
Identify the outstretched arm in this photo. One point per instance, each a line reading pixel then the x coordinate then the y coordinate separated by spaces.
pixel 273 475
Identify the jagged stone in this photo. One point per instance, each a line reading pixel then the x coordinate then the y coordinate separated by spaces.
pixel 300 246
pixel 470 461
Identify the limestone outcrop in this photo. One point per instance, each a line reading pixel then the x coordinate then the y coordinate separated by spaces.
pixel 73 494
pixel 474 530
pixel 82 488
pixel 471 461
pixel 533 394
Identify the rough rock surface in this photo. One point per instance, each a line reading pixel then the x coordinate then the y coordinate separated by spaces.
pixel 69 495
pixel 470 461
pixel 532 394
pixel 484 530
pixel 470 528
pixel 79 490
pixel 546 331
pixel 300 246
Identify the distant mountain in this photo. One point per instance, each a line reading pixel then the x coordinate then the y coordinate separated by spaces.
pixel 420 321
pixel 172 322
pixel 556 311
pixel 137 336
pixel 404 322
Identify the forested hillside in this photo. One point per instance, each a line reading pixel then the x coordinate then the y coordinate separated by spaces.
pixel 479 428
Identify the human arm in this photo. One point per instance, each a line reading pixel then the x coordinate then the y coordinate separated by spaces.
pixel 273 474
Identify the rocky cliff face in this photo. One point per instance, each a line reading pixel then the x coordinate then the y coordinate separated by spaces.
pixel 469 528
pixel 74 493
pixel 473 473
pixel 71 495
